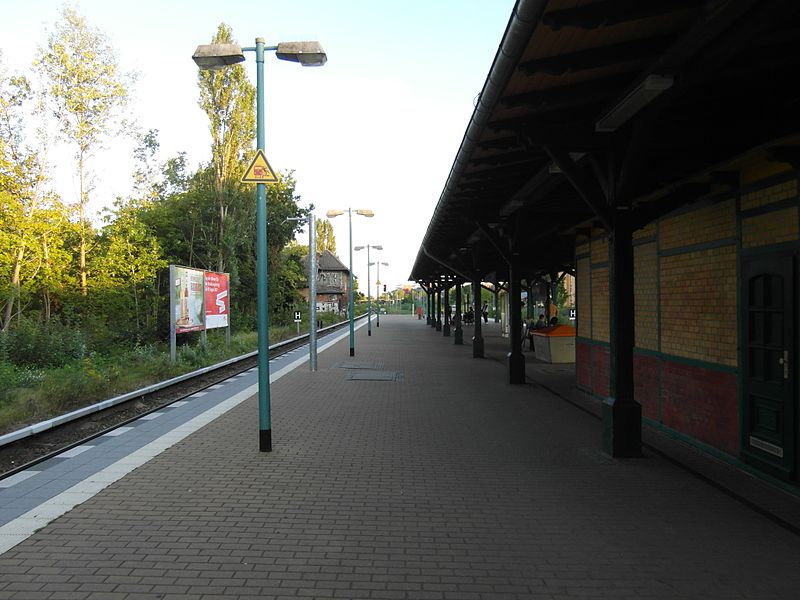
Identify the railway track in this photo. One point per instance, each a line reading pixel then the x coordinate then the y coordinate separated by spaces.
pixel 24 448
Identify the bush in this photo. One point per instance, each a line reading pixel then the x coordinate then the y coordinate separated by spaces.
pixel 50 344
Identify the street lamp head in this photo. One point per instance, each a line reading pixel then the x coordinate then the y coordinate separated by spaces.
pixel 334 213
pixel 357 248
pixel 365 212
pixel 308 54
pixel 217 56
pixel 377 247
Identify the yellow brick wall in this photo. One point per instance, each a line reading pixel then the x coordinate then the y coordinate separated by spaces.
pixel 645 295
pixel 648 230
pixel 770 228
pixel 774 193
pixel 600 250
pixel 600 316
pixel 698 305
pixel 582 248
pixel 584 304
pixel 700 226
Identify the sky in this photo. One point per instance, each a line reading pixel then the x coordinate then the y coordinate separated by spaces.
pixel 377 127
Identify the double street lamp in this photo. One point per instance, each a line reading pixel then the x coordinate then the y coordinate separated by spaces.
pixel 219 56
pixel 369 295
pixel 364 212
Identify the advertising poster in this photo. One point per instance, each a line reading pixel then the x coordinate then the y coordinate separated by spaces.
pixel 217 300
pixel 188 304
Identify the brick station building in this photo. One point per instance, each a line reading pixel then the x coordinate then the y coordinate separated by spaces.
pixel 652 151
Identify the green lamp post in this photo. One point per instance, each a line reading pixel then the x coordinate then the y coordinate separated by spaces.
pixel 218 56
pixel 364 212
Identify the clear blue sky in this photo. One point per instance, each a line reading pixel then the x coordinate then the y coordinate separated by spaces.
pixel 378 127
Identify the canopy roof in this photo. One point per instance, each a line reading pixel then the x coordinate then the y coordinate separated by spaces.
pixel 695 91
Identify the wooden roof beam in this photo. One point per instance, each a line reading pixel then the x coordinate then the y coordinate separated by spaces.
pixel 613 12
pixel 639 51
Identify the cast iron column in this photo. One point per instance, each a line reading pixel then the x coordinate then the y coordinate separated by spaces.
pixel 497 304
pixel 516 360
pixel 458 336
pixel 438 308
pixel 622 415
pixel 446 324
pixel 477 340
pixel 428 309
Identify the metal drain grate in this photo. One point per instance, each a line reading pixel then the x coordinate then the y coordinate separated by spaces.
pixel 374 375
pixel 353 364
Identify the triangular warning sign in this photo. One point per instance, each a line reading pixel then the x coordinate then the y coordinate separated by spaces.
pixel 259 170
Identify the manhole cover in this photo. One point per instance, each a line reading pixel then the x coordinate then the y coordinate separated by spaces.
pixel 374 375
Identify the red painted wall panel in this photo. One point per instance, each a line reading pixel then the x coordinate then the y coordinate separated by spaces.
pixel 701 403
pixel 645 382
pixel 583 365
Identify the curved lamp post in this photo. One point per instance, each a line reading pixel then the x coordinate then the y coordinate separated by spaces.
pixel 219 56
pixel 364 212
pixel 369 295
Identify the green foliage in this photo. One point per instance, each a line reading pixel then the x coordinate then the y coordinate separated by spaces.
pixel 48 344
pixel 326 240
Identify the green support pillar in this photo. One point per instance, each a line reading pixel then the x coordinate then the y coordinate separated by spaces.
pixel 622 415
pixel 477 339
pixel 438 300
pixel 515 358
pixel 446 323
pixel 458 333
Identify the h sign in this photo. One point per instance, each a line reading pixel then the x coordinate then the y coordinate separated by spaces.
pixel 297 318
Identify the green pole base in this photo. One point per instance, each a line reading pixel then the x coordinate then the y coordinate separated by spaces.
pixel 458 337
pixel 477 347
pixel 265 440
pixel 516 367
pixel 446 330
pixel 438 324
pixel 352 351
pixel 622 428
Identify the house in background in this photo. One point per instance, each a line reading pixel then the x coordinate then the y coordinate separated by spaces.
pixel 333 279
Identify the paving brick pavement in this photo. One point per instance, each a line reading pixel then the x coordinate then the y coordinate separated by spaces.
pixel 446 483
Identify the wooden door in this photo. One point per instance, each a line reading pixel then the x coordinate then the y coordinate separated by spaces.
pixel 769 423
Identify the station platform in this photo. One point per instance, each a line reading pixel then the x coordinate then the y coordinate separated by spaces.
pixel 413 471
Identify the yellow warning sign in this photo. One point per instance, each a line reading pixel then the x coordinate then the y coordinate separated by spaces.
pixel 259 170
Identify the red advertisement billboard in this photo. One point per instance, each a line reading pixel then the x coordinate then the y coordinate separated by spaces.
pixel 217 300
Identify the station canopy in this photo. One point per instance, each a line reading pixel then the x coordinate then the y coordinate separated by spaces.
pixel 669 100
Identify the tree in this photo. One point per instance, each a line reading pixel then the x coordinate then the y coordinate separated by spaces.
pixel 85 90
pixel 28 214
pixel 325 238
pixel 127 267
pixel 228 98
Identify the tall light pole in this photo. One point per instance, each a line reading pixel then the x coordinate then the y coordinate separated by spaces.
pixel 369 295
pixel 218 56
pixel 364 212
pixel 378 294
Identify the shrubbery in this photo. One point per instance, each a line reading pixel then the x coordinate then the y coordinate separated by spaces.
pixel 36 344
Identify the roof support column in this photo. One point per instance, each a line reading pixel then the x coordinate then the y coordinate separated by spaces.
pixel 496 304
pixel 429 317
pixel 477 339
pixel 458 334
pixel 438 301
pixel 446 323
pixel 515 359
pixel 622 415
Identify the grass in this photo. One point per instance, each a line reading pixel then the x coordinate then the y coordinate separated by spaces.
pixel 30 395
